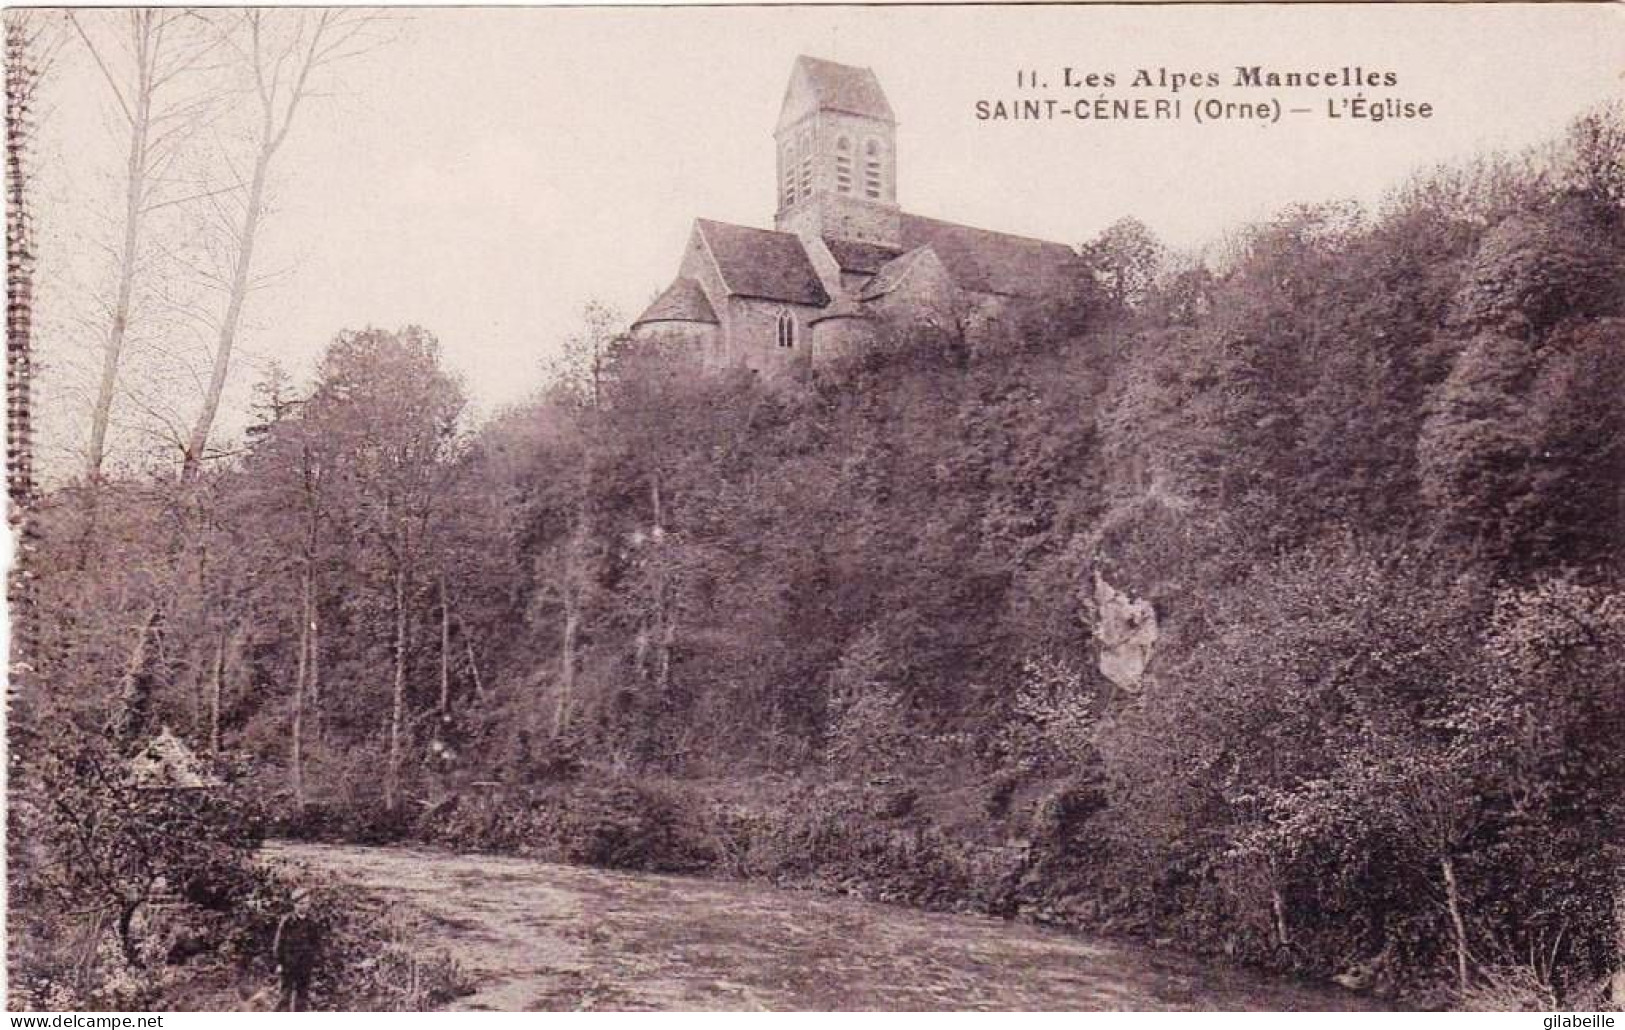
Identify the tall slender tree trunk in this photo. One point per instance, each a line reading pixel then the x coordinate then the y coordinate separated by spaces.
pixel 664 602
pixel 1452 893
pixel 135 187
pixel 126 933
pixel 445 650
pixel 199 439
pixel 397 716
pixel 314 680
pixel 473 666
pixel 572 577
pixel 200 702
pixel 1278 906
pixel 216 688
pixel 668 629
pixel 1616 986
pixel 567 656
pixel 297 760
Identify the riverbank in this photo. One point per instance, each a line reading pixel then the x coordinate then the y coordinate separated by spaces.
pixel 535 935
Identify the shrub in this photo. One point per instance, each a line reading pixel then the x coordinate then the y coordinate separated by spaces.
pixel 625 825
pixel 111 846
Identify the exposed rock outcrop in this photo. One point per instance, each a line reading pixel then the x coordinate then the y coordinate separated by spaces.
pixel 1126 630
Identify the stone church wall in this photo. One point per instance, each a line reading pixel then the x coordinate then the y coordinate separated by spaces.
pixel 752 327
pixel 847 218
pixel 834 338
pixel 703 338
pixel 697 264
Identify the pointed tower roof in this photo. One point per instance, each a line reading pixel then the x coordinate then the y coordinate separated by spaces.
pixel 820 85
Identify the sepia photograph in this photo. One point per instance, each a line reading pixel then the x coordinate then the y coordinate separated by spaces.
pixel 777 508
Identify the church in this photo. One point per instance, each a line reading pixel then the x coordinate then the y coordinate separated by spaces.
pixel 842 257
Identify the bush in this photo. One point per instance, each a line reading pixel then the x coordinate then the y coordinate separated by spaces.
pixel 111 846
pixel 129 897
pixel 624 825
pixel 614 824
pixel 524 822
pixel 354 821
pixel 373 961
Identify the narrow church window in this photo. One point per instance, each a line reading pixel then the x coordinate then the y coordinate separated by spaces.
pixel 787 329
pixel 843 165
pixel 806 163
pixel 871 169
pixel 787 162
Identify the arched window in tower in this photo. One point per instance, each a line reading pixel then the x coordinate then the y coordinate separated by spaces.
pixel 787 174
pixel 843 165
pixel 806 163
pixel 786 329
pixel 871 169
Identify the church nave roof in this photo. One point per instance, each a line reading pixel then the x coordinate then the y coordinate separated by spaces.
pixel 762 263
pixel 994 262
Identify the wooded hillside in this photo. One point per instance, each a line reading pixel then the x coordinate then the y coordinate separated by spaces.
pixel 1366 467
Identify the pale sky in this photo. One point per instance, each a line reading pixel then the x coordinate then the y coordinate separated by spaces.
pixel 491 171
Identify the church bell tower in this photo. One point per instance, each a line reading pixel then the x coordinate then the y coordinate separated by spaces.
pixel 837 155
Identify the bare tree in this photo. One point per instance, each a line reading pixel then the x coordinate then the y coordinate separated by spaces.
pixel 152 90
pixel 286 55
pixel 583 368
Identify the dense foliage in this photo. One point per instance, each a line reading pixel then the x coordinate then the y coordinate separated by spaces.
pixel 843 629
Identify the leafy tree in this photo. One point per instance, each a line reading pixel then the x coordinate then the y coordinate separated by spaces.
pixel 1534 270
pixel 386 417
pixel 1476 447
pixel 1126 259
pixel 1579 447
pixel 1595 155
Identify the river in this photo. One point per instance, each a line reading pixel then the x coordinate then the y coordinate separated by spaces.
pixel 540 936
